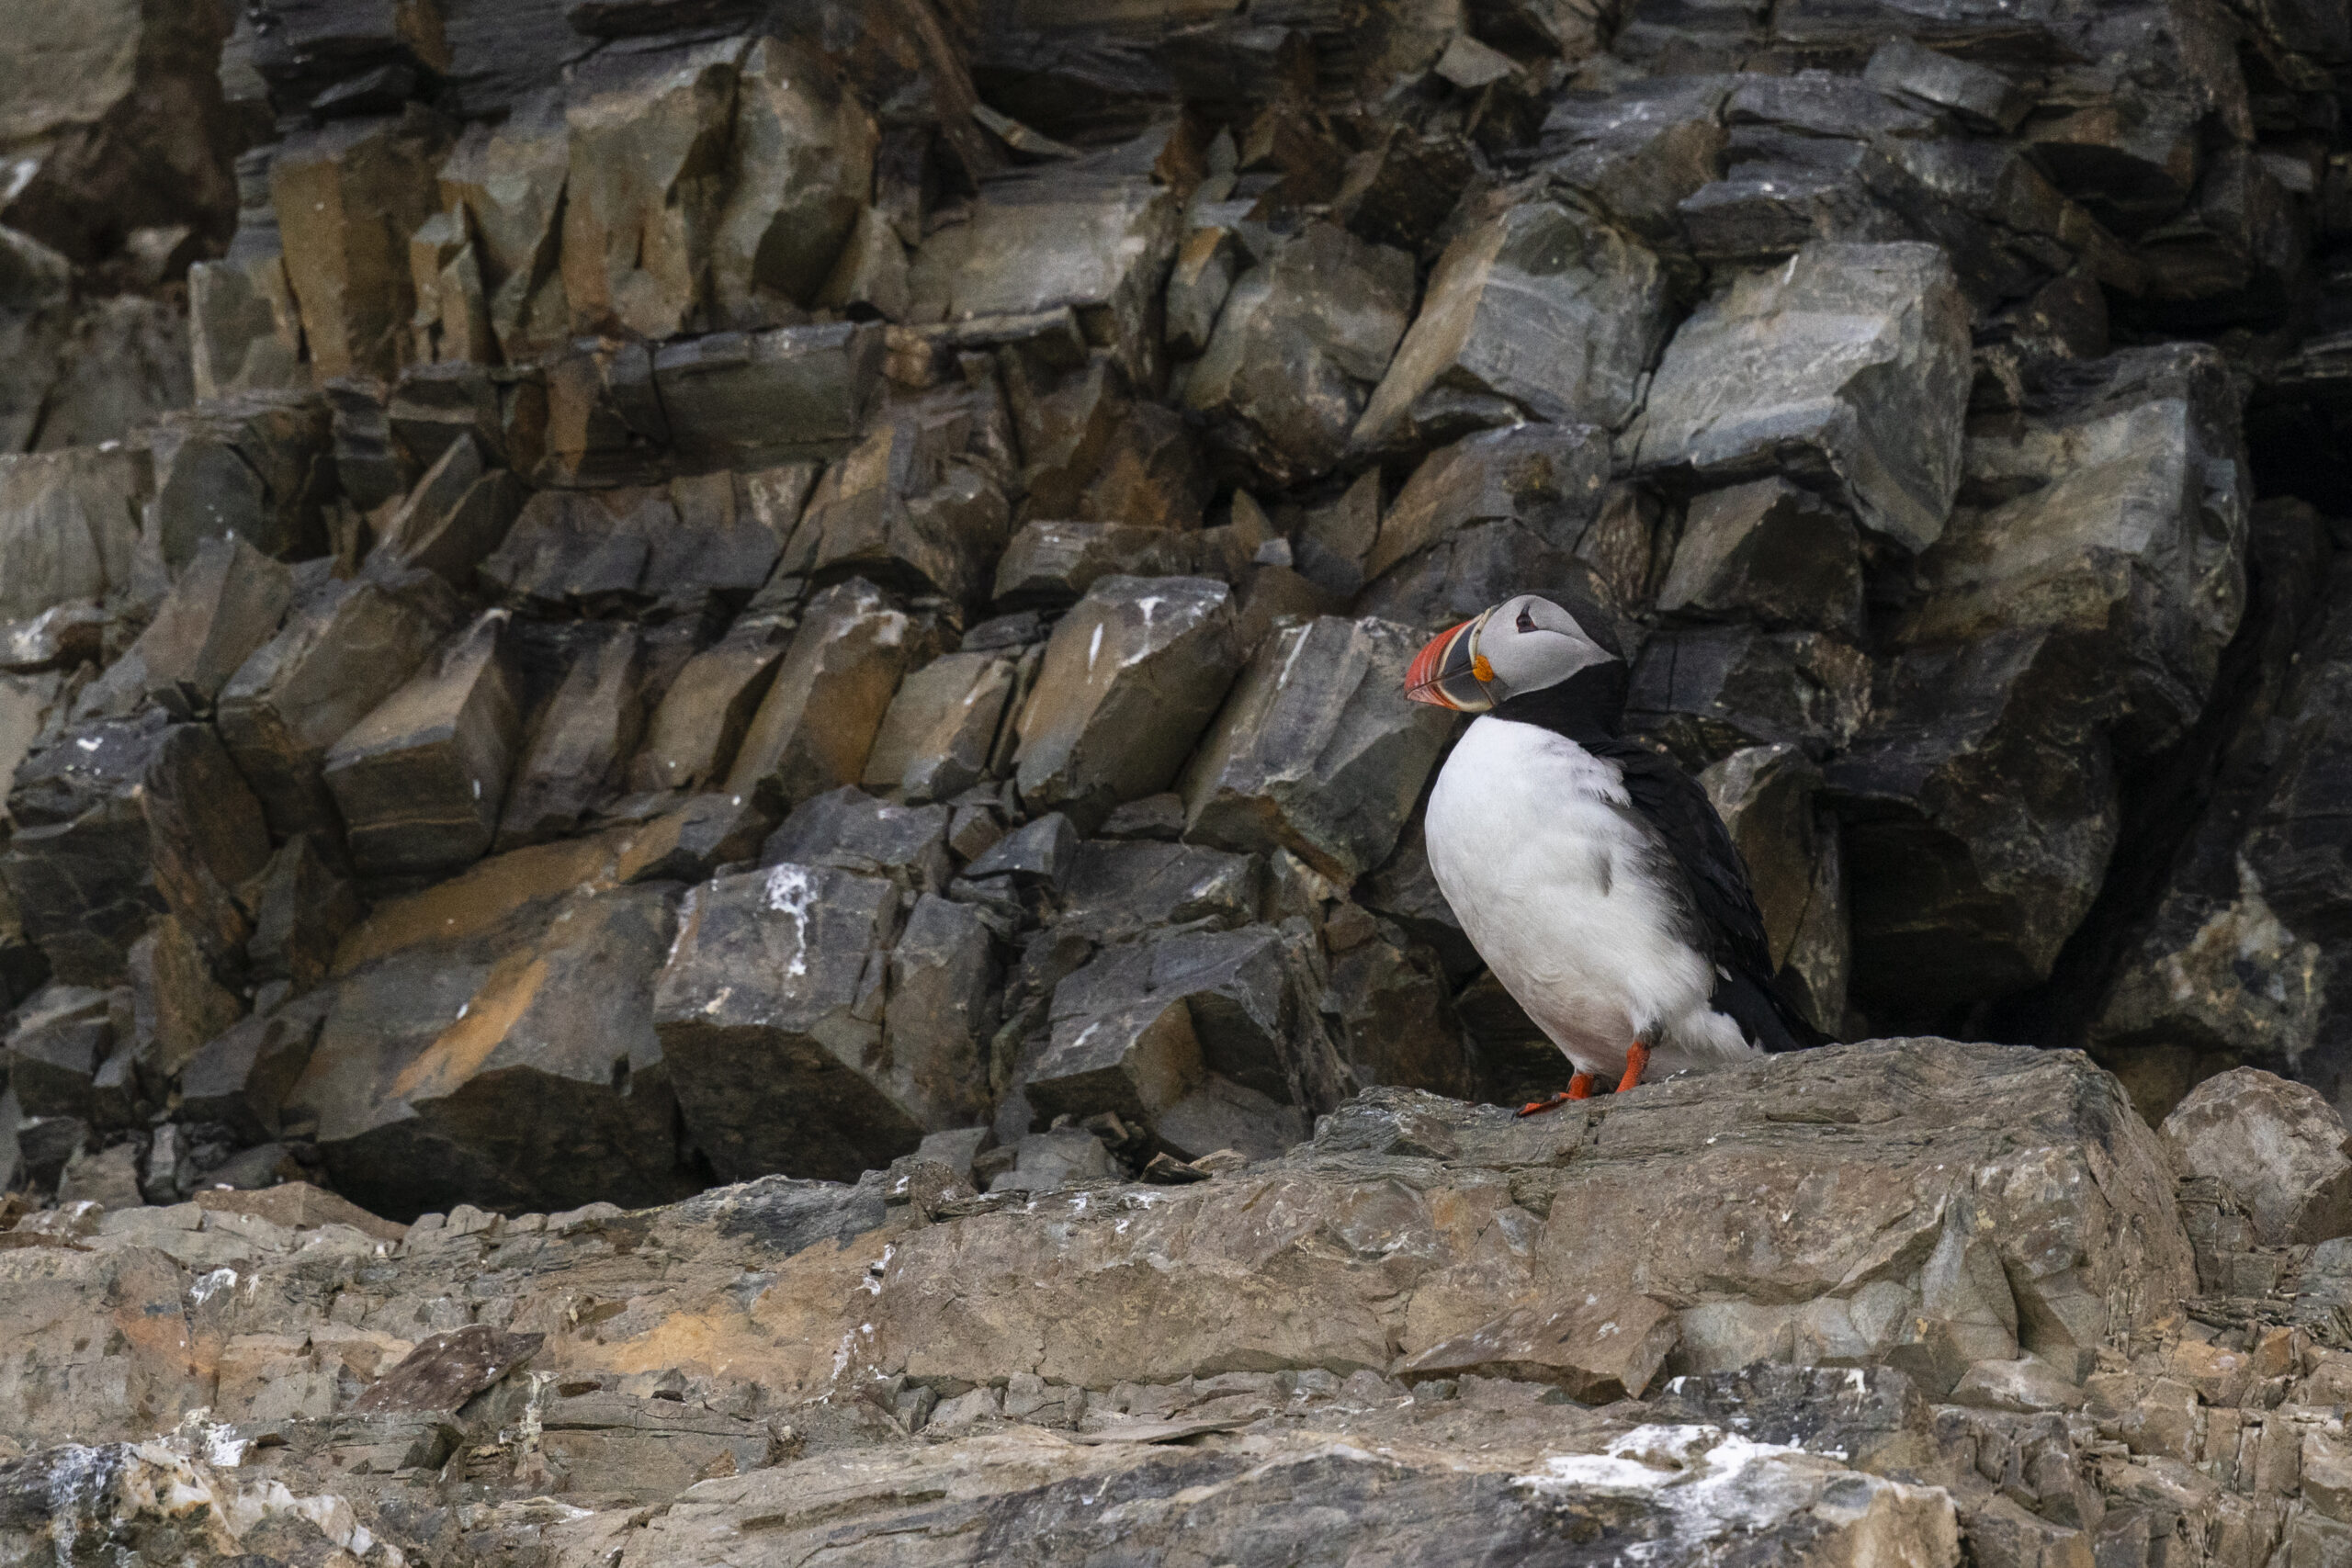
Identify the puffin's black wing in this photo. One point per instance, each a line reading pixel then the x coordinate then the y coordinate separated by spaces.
pixel 1678 810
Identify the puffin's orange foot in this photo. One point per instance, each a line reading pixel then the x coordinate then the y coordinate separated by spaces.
pixel 1580 1088
pixel 1637 1056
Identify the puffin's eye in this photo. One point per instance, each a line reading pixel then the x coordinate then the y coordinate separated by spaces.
pixel 1526 619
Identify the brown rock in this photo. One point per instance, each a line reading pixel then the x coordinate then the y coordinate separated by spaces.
pixel 509 1056
pixel 458 512
pixel 1316 750
pixel 419 782
pixel 1607 1345
pixel 802 169
pixel 257 465
pixel 941 729
pixel 692 738
pixel 770 1015
pixel 177 1004
pixel 904 510
pixel 347 646
pixel 579 741
pixel 508 179
pixel 348 196
pixel 298 1205
pixel 649 148
pixel 817 724
pixel 69 521
pixel 1130 678
pixel 226 604
pixel 2278 1145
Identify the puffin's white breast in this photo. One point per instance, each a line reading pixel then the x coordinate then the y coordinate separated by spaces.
pixel 1557 882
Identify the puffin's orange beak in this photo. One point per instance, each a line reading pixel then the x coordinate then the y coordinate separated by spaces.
pixel 1451 674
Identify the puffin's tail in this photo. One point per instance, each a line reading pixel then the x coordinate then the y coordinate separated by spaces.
pixel 1767 1017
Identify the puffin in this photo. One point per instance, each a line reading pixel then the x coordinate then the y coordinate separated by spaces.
pixel 1592 873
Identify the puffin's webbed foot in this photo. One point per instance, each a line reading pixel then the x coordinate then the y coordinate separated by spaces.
pixel 1580 1088
pixel 1637 1056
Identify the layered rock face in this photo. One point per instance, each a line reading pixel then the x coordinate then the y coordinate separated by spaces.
pixel 1905 1302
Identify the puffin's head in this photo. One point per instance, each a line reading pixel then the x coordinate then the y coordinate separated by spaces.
pixel 1522 645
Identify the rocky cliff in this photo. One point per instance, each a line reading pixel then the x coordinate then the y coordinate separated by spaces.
pixel 602 598
pixel 710 852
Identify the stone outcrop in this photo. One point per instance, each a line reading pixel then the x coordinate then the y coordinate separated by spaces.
pixel 1964 1338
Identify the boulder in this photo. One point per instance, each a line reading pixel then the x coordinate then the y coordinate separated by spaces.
pixel 301 906
pixel 1131 677
pixel 226 604
pixel 56 1044
pixel 648 142
pixel 905 509
pixel 1769 551
pixel 1634 153
pixel 939 735
pixel 245 330
pixel 1053 564
pixel 348 195
pixel 458 512
pixel 119 821
pixel 177 1004
pixel 802 167
pixel 257 465
pixel 816 726
pixel 1539 312
pixel 521 1068
pixel 770 1013
pixel 1316 750
pixel 1542 480
pixel 577 744
pixel 853 831
pixel 946 986
pixel 1111 891
pixel 2279 1146
pixel 1981 809
pixel 243 1074
pixel 69 521
pixel 1138 1028
pixel 347 645
pixel 749 399
pixel 1304 337
pixel 508 180
pixel 1708 691
pixel 2072 629
pixel 1849 367
pixel 691 739
pixel 2127 532
pixel 419 782
pixel 1047 242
